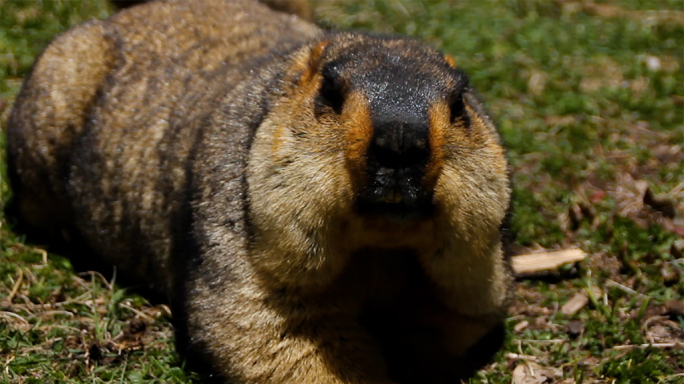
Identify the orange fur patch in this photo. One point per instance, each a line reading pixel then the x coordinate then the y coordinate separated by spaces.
pixel 359 125
pixel 451 61
pixel 439 124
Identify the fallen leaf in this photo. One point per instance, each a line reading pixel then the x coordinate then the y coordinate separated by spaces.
pixel 597 196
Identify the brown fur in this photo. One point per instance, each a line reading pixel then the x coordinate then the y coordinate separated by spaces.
pixel 186 143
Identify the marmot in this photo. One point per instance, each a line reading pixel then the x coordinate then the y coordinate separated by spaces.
pixel 320 207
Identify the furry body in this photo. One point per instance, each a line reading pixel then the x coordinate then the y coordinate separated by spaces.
pixel 319 207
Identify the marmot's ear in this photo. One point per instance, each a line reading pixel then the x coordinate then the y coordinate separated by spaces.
pixel 450 60
pixel 309 63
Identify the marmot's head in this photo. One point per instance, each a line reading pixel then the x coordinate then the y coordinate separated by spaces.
pixel 376 142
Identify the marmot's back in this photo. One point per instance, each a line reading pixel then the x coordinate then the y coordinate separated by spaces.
pixel 132 89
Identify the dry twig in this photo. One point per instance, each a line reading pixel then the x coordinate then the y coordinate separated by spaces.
pixel 675 344
pixel 542 261
pixel 15 289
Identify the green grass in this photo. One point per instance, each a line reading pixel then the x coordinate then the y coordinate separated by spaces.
pixel 590 102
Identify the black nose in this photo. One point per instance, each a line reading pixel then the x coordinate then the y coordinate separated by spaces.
pixel 399 145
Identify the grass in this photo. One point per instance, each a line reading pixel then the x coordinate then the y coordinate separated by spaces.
pixel 589 98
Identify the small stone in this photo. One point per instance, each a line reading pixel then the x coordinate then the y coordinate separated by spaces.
pixel 674 308
pixel 659 332
pixel 653 63
pixel 677 249
pixel 575 328
pixel 670 275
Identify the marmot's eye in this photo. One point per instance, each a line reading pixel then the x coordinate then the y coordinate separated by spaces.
pixel 457 106
pixel 332 91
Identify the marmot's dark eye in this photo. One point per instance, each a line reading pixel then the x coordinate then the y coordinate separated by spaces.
pixel 457 107
pixel 332 91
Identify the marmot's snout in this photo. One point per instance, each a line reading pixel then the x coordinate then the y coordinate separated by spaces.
pixel 397 159
pixel 400 144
